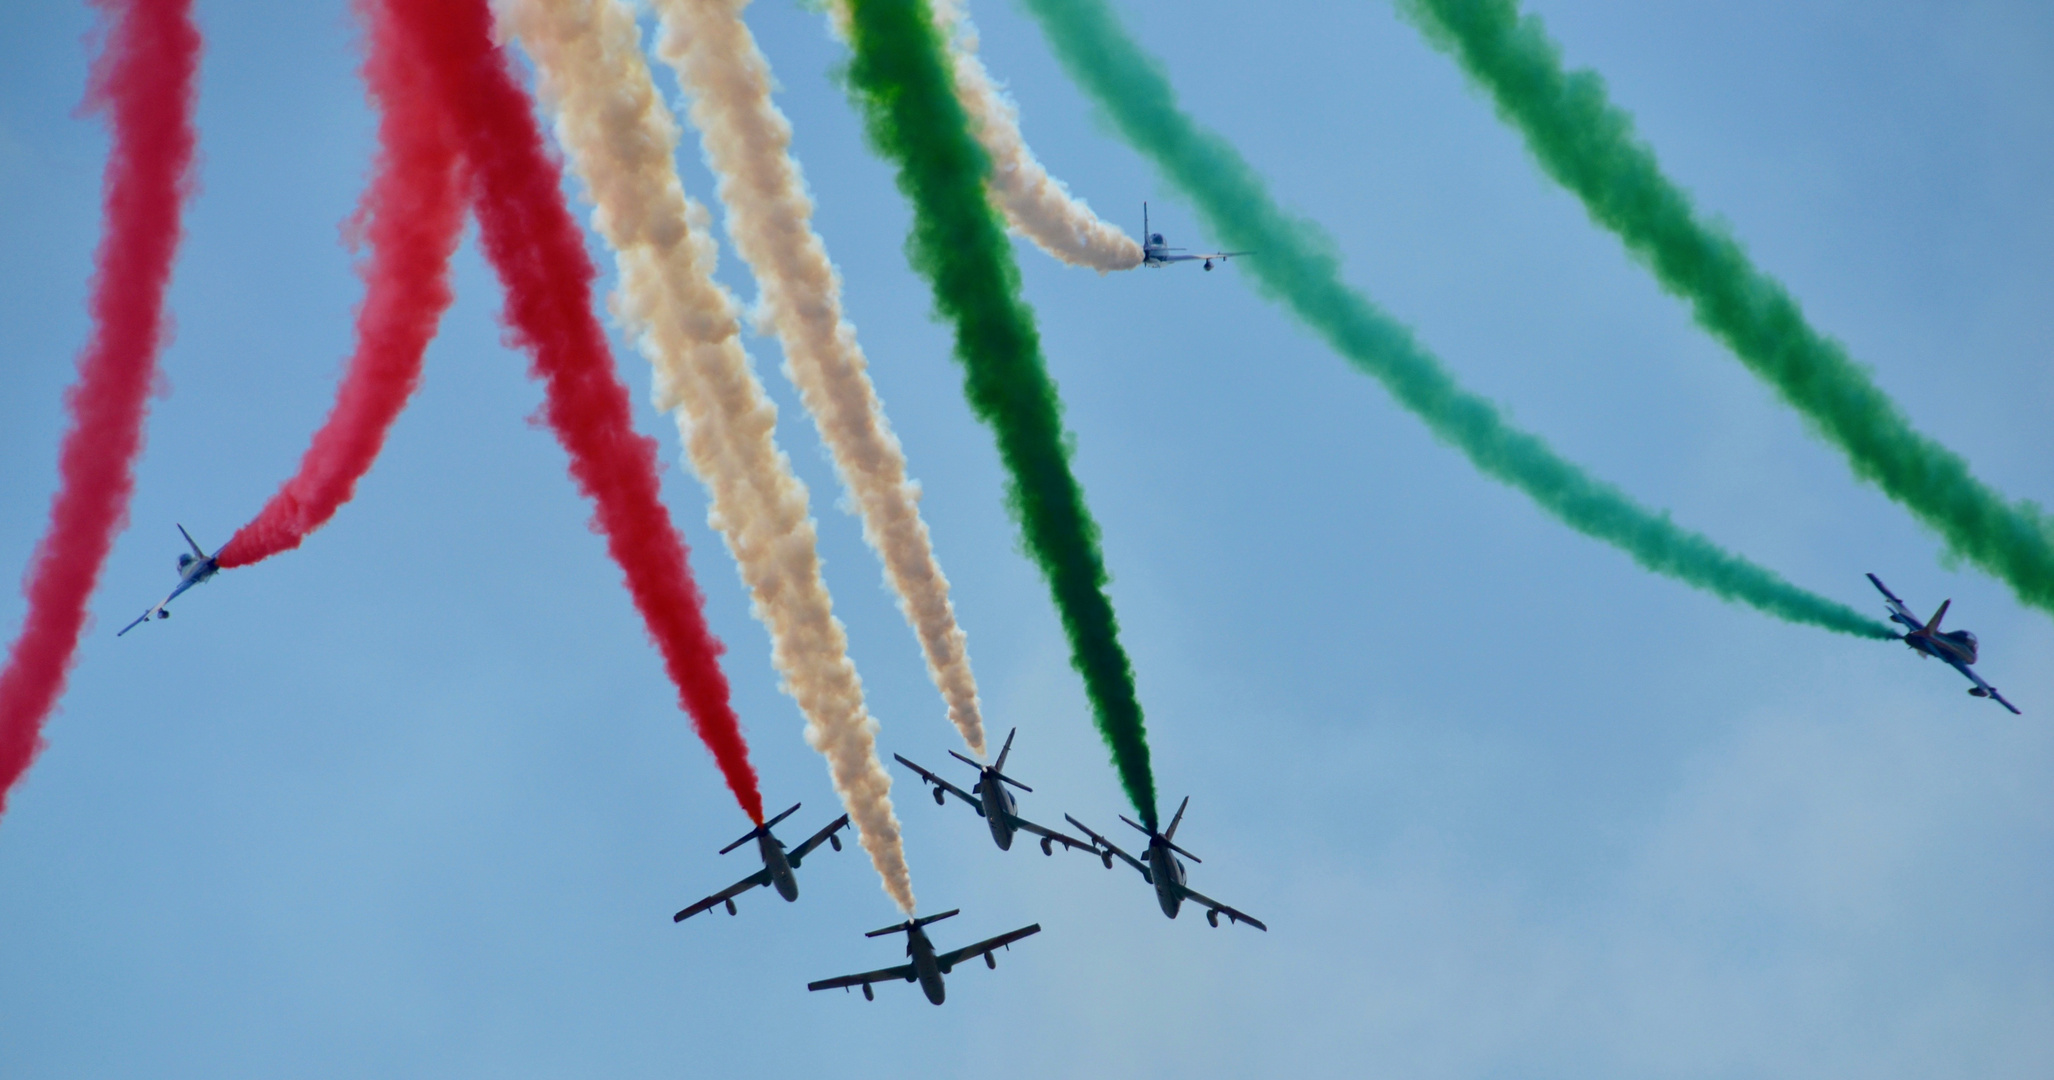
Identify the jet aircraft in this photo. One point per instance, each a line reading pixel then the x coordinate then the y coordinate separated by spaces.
pixel 1165 871
pixel 777 866
pixel 926 967
pixel 994 802
pixel 192 569
pixel 1156 252
pixel 1957 647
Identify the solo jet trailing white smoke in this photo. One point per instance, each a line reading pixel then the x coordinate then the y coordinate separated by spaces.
pixel 1156 252
pixel 994 803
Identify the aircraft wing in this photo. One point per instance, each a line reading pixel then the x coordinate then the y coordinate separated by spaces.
pixel 1216 906
pixel 953 957
pixel 943 785
pixel 818 839
pixel 890 974
pixel 1107 850
pixel 1898 612
pixel 140 620
pixel 1987 690
pixel 760 877
pixel 1067 841
pixel 145 616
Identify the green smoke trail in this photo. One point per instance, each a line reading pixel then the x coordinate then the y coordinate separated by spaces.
pixel 900 74
pixel 1295 263
pixel 1588 145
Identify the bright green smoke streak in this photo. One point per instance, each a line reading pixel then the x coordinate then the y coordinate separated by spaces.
pixel 900 75
pixel 1295 263
pixel 1588 145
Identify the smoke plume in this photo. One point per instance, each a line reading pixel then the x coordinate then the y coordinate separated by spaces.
pixel 1589 146
pixel 143 81
pixel 1296 265
pixel 412 217
pixel 900 75
pixel 622 142
pixel 538 251
pixel 747 143
pixel 1037 205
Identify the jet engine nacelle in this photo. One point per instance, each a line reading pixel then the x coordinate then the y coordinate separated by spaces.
pixel 731 907
pixel 1048 849
pixel 1213 916
pixel 1106 857
pixel 835 841
pixel 869 994
pixel 990 961
pixel 940 799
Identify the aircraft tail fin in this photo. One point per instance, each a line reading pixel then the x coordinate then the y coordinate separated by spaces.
pixel 1000 764
pixel 1934 625
pixel 1178 820
pixel 197 553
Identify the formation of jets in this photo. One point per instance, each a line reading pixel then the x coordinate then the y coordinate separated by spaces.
pixel 1001 812
pixel 1158 863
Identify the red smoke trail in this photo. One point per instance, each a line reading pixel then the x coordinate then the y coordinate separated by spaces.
pixel 412 216
pixel 143 80
pixel 537 248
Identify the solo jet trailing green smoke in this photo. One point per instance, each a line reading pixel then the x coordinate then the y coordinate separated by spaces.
pixel 1589 146
pixel 1295 263
pixel 899 73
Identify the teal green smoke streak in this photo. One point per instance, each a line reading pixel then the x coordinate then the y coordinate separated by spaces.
pixel 1295 263
pixel 1588 145
pixel 900 76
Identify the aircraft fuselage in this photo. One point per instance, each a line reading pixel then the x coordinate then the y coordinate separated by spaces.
pixel 1955 648
pixel 926 969
pixel 999 809
pixel 781 876
pixel 1166 873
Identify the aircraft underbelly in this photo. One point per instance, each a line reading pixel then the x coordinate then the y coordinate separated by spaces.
pixel 1001 830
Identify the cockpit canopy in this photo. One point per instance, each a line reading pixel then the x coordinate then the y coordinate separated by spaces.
pixel 185 559
pixel 1156 239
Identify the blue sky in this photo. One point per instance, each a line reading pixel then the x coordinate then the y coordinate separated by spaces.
pixel 416 799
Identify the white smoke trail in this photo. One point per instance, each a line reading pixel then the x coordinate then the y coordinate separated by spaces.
pixel 1036 204
pixel 622 141
pixel 746 141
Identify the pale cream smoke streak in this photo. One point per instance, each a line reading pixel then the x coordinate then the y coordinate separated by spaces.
pixel 747 140
pixel 622 142
pixel 1035 204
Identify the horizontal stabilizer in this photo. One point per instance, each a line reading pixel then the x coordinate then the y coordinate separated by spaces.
pixel 760 830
